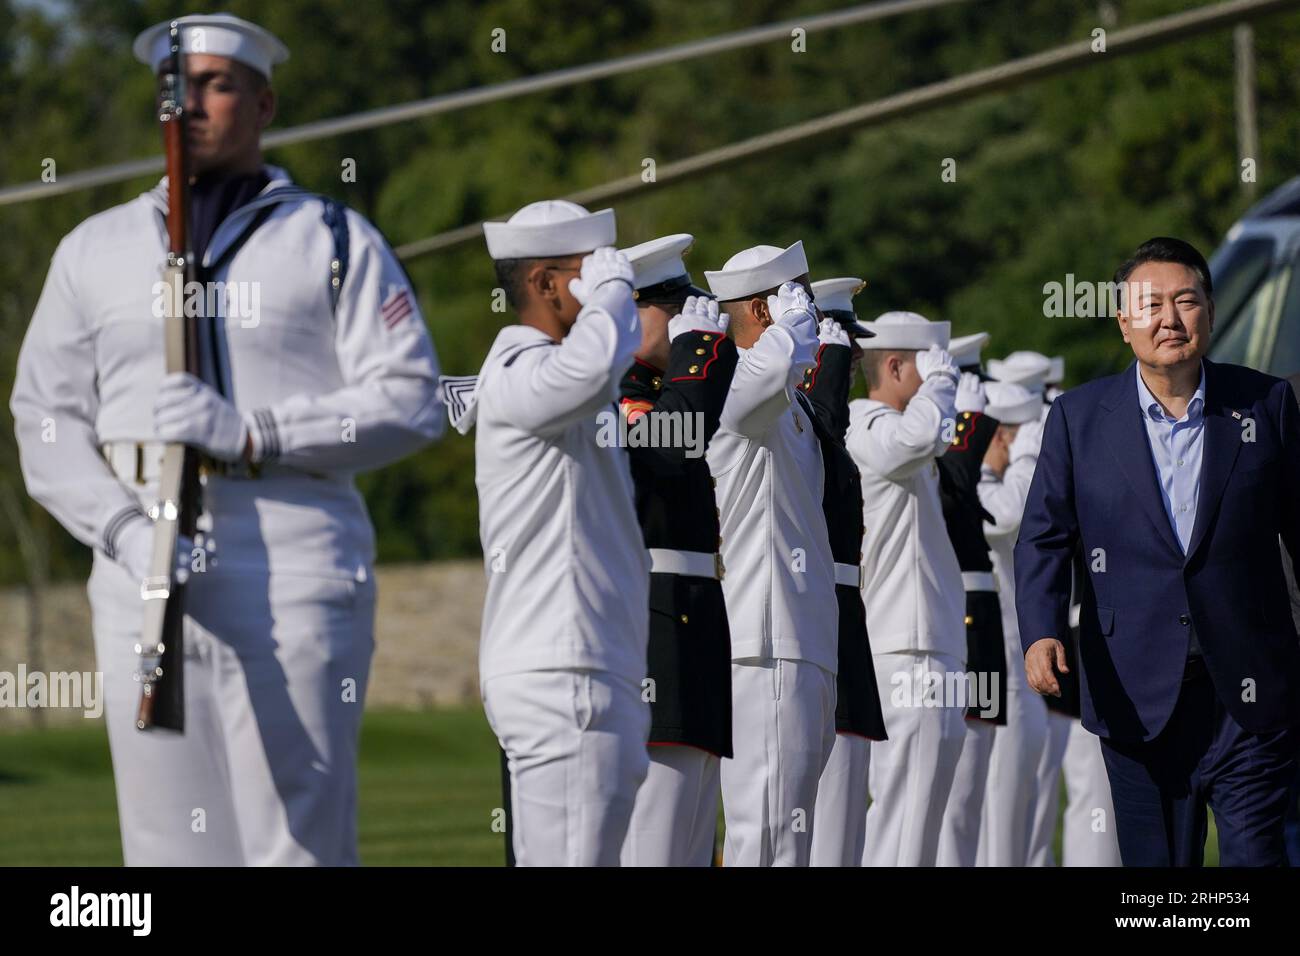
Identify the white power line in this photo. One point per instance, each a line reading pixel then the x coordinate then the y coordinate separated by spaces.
pixel 496 92
pixel 1011 73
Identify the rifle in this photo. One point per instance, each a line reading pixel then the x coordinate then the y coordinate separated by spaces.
pixel 162 670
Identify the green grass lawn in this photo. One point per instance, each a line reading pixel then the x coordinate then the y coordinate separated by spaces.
pixel 429 784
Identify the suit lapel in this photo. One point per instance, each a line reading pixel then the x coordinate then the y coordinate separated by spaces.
pixel 1221 445
pixel 1127 437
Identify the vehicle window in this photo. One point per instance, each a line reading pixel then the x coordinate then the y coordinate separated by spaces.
pixel 1242 335
pixel 1286 355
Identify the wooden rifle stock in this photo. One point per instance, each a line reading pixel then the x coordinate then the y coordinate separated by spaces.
pixel 161 649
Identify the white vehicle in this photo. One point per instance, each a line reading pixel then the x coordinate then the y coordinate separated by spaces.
pixel 1256 287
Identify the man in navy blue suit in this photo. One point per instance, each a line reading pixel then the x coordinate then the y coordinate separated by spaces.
pixel 1175 479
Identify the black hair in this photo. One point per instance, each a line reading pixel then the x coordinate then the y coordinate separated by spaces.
pixel 1167 249
pixel 511 275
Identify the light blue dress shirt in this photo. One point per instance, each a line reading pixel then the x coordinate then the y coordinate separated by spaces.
pixel 1176 449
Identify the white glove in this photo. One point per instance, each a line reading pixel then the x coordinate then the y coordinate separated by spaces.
pixel 188 411
pixel 933 362
pixel 970 393
pixel 605 265
pixel 135 551
pixel 699 314
pixel 831 332
pixel 793 310
pixel 1028 441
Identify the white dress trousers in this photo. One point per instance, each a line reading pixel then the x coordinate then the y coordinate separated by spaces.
pixel 1089 832
pixel 783 729
pixel 575 743
pixel 275 680
pixel 676 812
pixel 911 772
pixel 1047 811
pixel 1011 798
pixel 841 830
pixel 959 840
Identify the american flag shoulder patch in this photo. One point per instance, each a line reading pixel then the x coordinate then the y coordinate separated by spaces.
pixel 396 307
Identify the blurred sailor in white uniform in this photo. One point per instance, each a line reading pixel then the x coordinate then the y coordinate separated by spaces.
pixel 780 576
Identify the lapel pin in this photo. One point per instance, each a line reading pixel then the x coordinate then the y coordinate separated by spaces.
pixel 1236 415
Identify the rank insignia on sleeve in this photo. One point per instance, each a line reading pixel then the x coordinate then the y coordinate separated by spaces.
pixel 634 408
pixel 396 307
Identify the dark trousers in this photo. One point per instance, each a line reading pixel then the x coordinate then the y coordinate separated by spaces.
pixel 1161 787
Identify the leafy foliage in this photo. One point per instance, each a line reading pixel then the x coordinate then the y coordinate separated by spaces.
pixel 1063 176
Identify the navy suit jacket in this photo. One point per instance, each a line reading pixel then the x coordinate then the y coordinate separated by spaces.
pixel 1095 489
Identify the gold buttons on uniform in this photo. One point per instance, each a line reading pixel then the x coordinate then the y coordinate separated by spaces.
pixel 699 351
pixel 693 369
pixel 685 619
pixel 965 414
pixel 657 382
pixel 708 338
pixel 969 620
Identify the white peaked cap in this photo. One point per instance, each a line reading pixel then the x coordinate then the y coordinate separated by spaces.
pixel 552 227
pixel 906 331
pixel 1012 404
pixel 659 259
pixel 1056 375
pixel 756 270
pixel 217 34
pixel 1029 369
pixel 965 349
pixel 836 294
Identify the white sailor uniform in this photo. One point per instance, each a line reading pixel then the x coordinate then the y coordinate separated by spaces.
pixel 915 604
pixel 780 579
pixel 279 629
pixel 1011 797
pixel 563 646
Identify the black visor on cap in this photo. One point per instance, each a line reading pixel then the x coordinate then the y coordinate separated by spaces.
pixel 677 289
pixel 849 323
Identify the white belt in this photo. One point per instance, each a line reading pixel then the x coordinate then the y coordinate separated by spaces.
pixel 136 463
pixel 979 581
pixel 140 463
pixel 692 564
pixel 850 574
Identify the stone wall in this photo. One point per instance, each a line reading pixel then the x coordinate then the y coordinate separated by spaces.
pixel 426 635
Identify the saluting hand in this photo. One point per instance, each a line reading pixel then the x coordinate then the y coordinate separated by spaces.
pixel 188 411
pixel 1039 661
pixel 699 314
pixel 933 362
pixel 831 332
pixel 605 265
pixel 792 309
pixel 971 396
